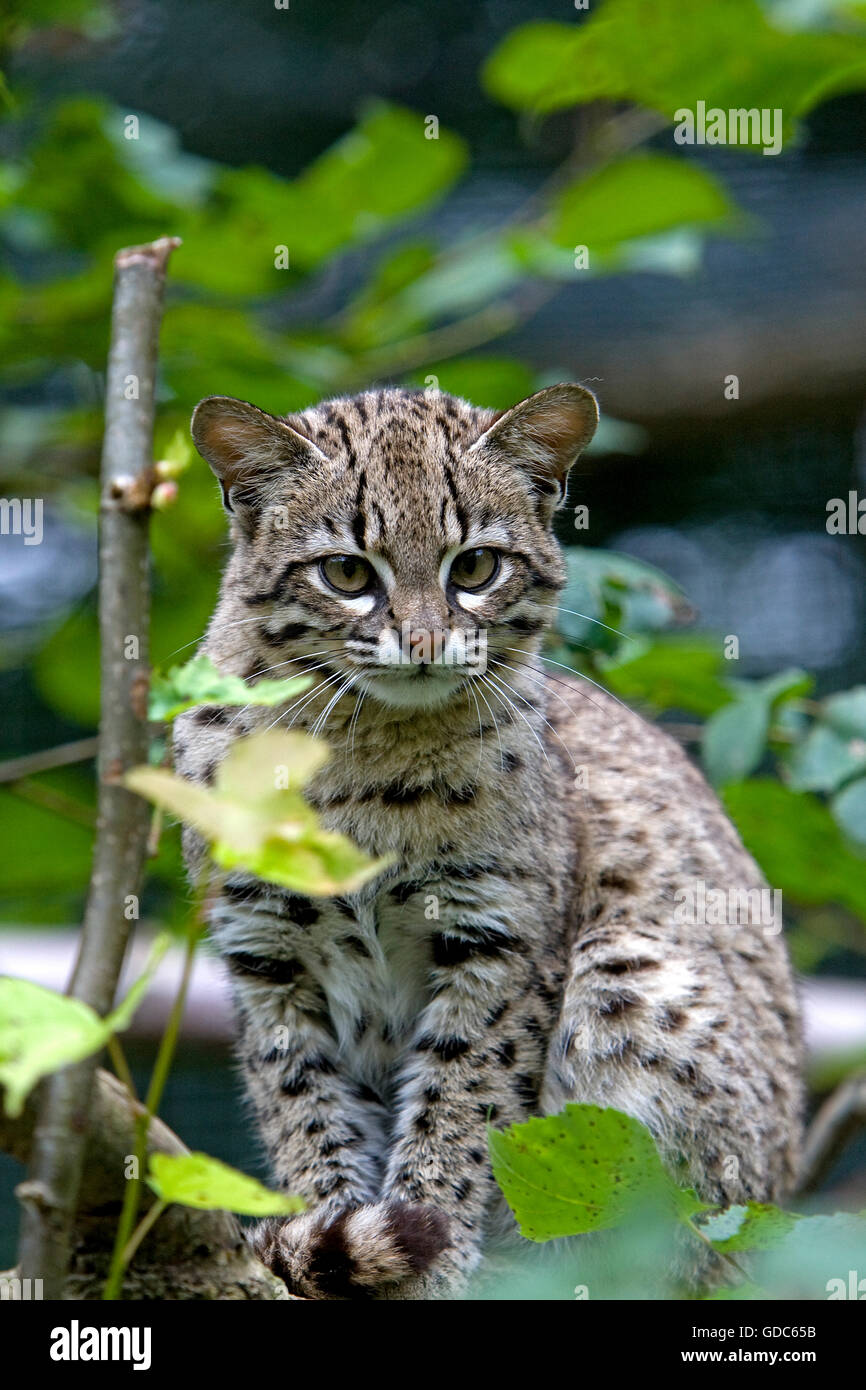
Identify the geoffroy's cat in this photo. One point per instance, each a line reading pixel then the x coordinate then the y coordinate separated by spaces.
pixel 524 949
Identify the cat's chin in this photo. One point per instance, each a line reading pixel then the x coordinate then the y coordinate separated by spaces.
pixel 415 692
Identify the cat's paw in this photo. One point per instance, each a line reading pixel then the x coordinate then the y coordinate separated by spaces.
pixel 367 1252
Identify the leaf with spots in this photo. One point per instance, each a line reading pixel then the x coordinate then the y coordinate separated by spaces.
pixel 199 682
pixel 256 818
pixel 583 1170
pixel 197 1180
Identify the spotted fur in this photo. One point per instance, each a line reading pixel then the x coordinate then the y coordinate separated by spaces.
pixel 523 950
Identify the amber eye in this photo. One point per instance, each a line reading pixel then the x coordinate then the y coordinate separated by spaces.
pixel 474 569
pixel 348 574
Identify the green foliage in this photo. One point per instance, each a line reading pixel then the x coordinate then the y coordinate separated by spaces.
pixel 41 1031
pixel 198 682
pixel 726 55
pixel 582 1170
pixel 256 818
pixel 197 1180
pixel 798 844
pixel 635 197
pixel 590 1169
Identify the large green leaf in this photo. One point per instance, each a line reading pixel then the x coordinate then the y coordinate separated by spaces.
pixel 41 1031
pixel 668 55
pixel 673 673
pixel 798 844
pixel 636 197
pixel 582 1170
pixel 256 818
pixel 197 1180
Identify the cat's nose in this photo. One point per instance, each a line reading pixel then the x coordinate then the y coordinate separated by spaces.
pixel 424 617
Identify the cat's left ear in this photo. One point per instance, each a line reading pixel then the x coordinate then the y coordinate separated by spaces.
pixel 544 435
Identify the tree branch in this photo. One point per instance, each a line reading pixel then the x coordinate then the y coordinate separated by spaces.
pixel 188 1254
pixel 837 1121
pixel 49 1197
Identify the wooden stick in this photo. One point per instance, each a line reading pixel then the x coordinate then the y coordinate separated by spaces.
pixel 49 1197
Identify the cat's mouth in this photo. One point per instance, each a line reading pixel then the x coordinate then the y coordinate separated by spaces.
pixel 422 686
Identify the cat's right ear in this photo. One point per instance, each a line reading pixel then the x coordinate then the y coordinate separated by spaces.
pixel 249 451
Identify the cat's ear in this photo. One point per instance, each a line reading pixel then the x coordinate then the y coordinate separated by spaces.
pixel 248 450
pixel 544 435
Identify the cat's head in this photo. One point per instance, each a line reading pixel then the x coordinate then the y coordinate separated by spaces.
pixel 403 536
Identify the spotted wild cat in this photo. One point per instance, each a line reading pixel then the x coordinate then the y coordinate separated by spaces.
pixel 523 950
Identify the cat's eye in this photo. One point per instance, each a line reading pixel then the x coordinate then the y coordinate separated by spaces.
pixel 348 574
pixel 475 569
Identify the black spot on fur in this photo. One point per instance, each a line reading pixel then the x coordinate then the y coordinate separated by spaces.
pixel 506 1054
pixel 624 967
pixel 276 972
pixel 446 1048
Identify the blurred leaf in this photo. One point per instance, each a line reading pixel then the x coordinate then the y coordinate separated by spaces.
pixel 256 818
pixel 846 712
pixel 381 170
pixel 824 760
pixel 757 1226
pixel 735 738
pixel 635 197
pixel 582 1170
pixel 197 1180
pixel 798 844
pixel 673 673
pixel 495 382
pixel 41 1031
pixel 725 55
pixel 849 808
pixel 200 683
pixel 606 591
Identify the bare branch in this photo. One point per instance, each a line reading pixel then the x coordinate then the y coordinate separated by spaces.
pixel 838 1120
pixel 50 1195
pixel 47 758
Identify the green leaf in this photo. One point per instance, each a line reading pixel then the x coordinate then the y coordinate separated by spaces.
pixel 726 55
pixel 849 808
pixel 757 1226
pixel 200 683
pixel 607 591
pixel 41 1031
pixel 674 673
pixel 798 844
pixel 582 1170
pixel 734 739
pixel 846 712
pixel 636 197
pixel 256 818
pixel 824 760
pixel 383 169
pixel 197 1180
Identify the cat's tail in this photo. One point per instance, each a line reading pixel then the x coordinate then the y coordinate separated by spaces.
pixel 359 1253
